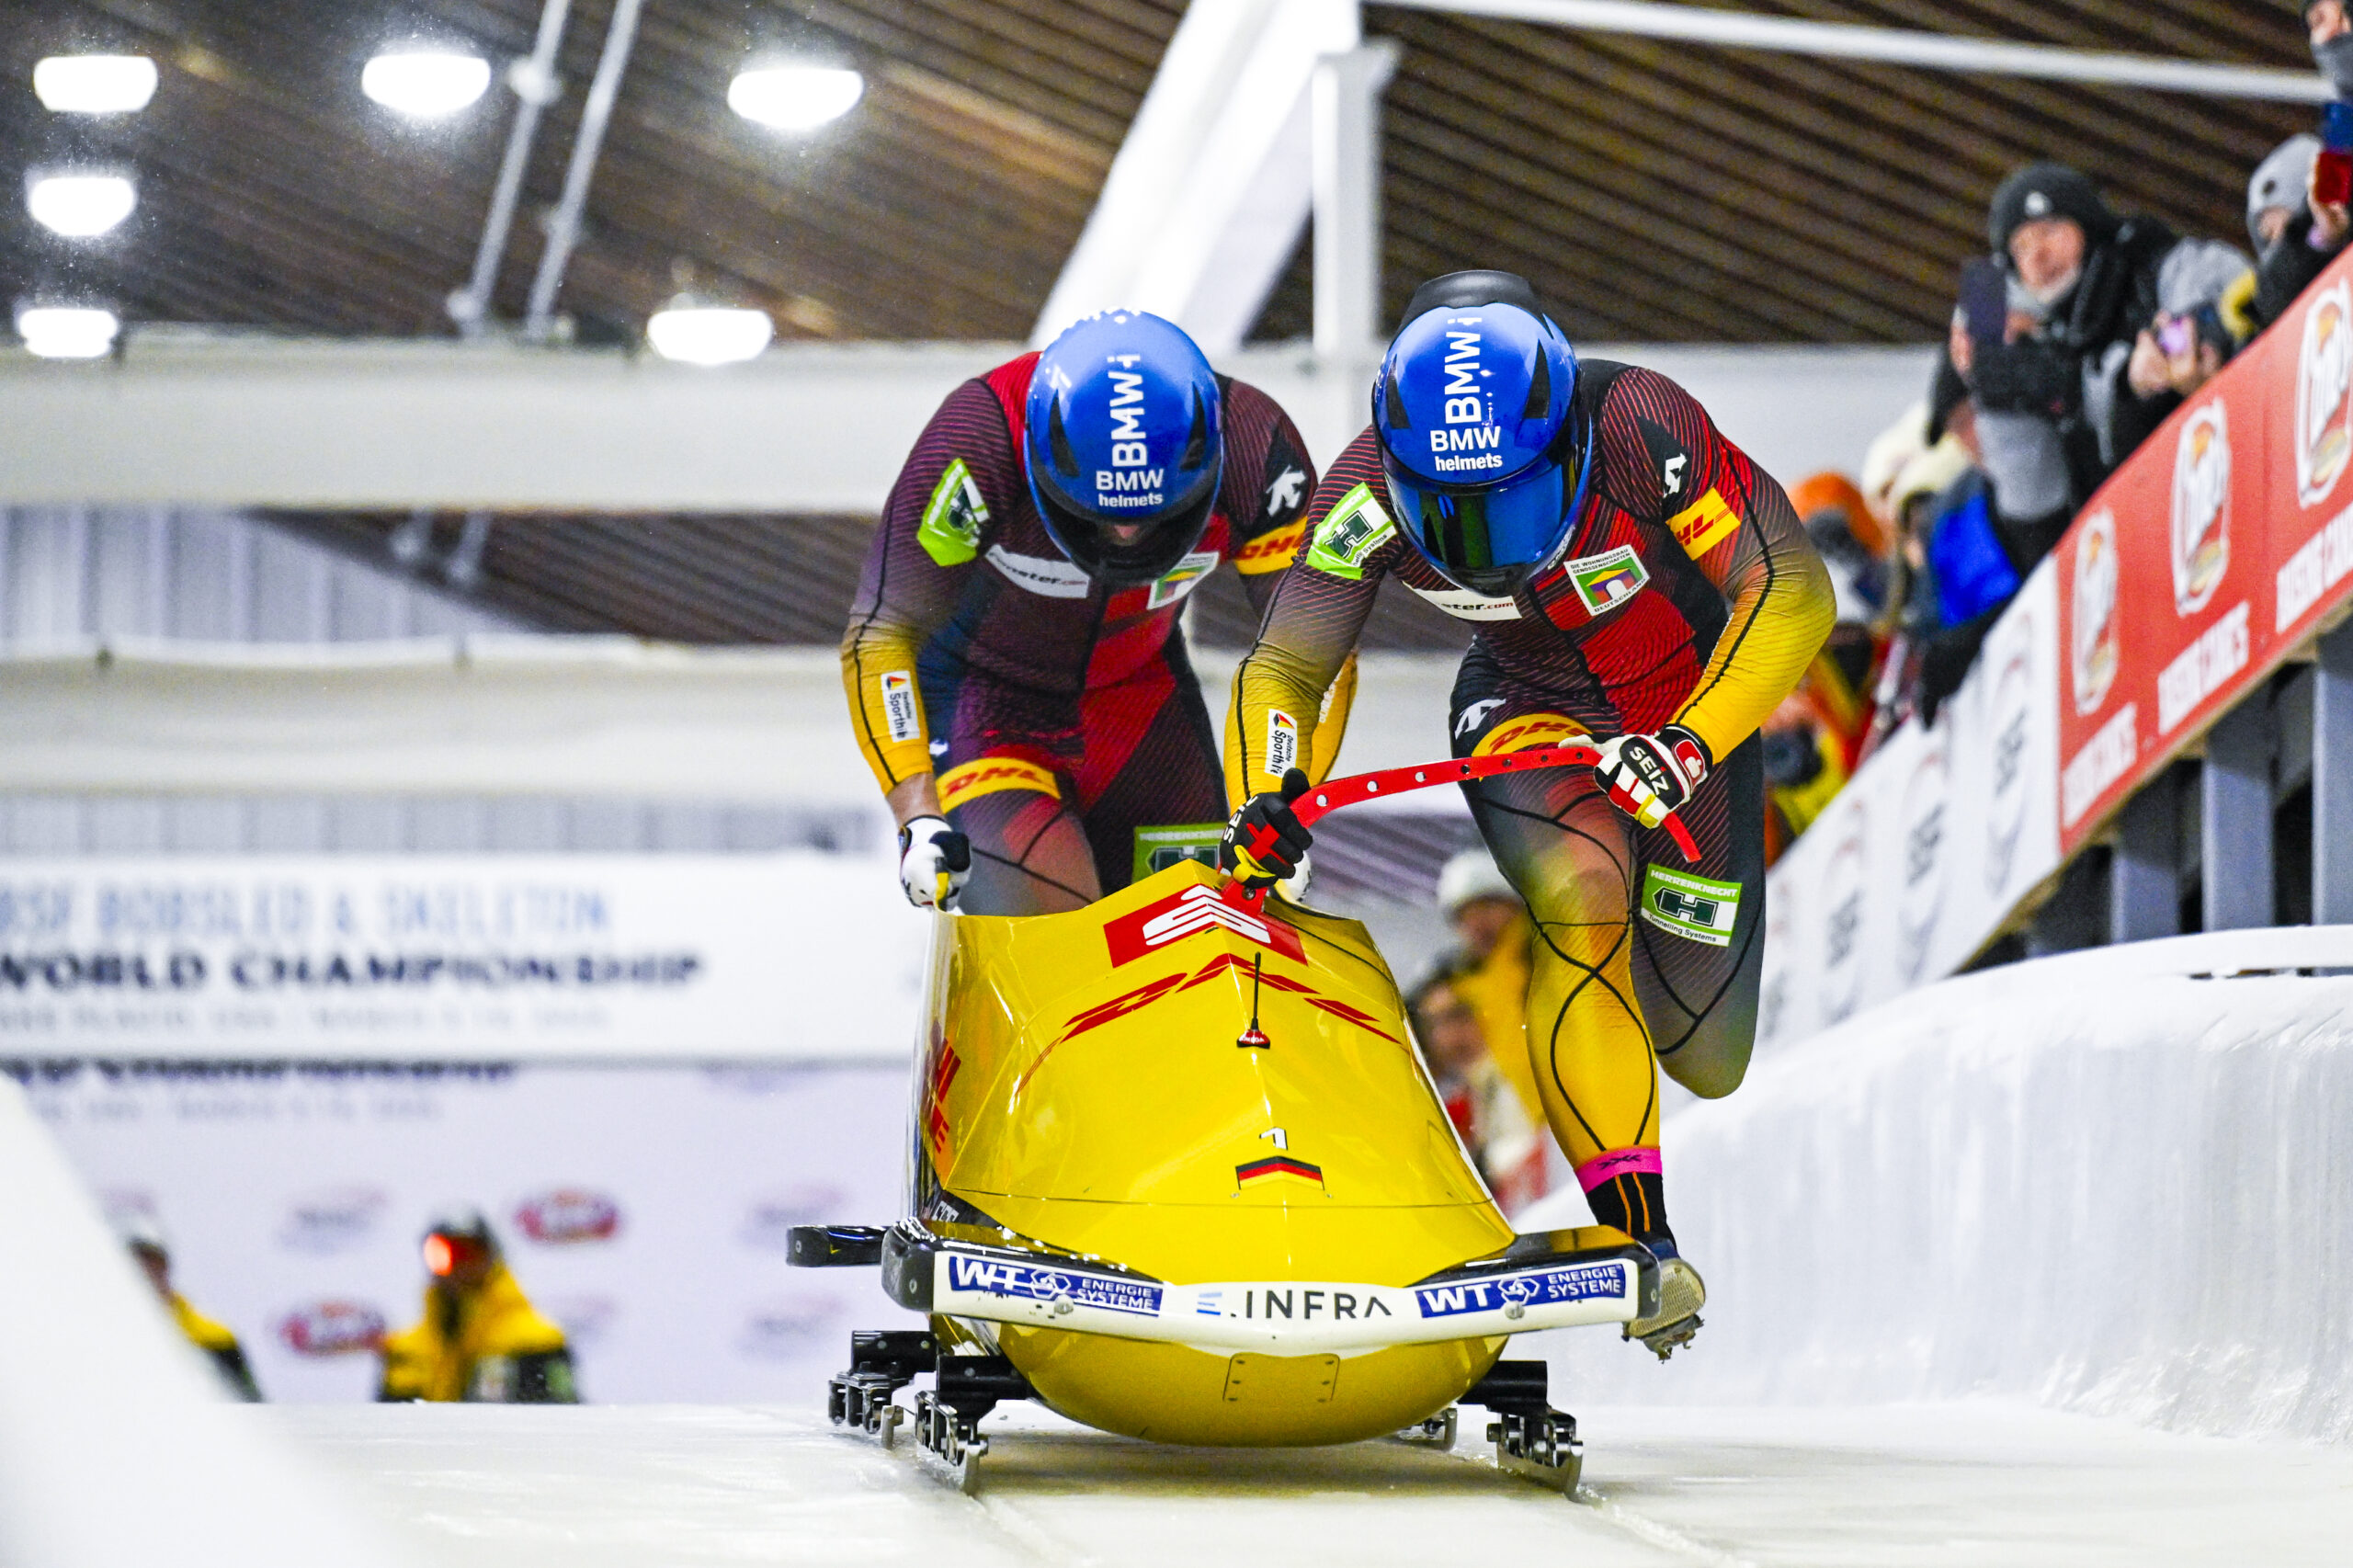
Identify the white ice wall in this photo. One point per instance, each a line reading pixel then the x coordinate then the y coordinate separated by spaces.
pixel 2096 1181
pixel 116 1451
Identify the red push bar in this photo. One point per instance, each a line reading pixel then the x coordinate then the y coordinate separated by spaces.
pixel 1358 788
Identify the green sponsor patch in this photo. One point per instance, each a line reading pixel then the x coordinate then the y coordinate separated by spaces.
pixel 1350 532
pixel 1603 582
pixel 1158 849
pixel 953 518
pixel 1696 907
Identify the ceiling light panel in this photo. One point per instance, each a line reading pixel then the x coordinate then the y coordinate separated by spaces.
pixel 425 84
pixel 67 332
pixel 794 98
pixel 708 335
pixel 94 84
pixel 79 203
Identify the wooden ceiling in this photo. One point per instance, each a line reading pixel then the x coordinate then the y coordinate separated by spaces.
pixel 1657 191
pixel 1651 190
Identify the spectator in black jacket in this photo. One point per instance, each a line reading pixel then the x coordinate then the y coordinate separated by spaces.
pixel 2295 233
pixel 2078 378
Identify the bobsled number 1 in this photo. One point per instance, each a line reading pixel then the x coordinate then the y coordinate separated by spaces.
pixel 1298 1315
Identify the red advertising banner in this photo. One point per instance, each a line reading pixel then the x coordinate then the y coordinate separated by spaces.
pixel 2207 557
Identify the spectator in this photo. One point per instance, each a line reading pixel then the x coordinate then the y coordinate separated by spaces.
pixel 2076 377
pixel 1920 495
pixel 1482 1104
pixel 1883 462
pixel 1489 967
pixel 154 1255
pixel 2330 27
pixel 2296 234
pixel 1814 738
pixel 481 1340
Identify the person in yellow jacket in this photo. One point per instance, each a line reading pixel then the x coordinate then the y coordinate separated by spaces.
pixel 154 1255
pixel 481 1340
pixel 1490 963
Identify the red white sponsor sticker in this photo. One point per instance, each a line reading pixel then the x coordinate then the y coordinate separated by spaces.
pixel 569 1215
pixel 332 1328
pixel 1188 912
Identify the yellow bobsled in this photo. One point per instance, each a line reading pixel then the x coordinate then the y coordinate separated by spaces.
pixel 1177 1171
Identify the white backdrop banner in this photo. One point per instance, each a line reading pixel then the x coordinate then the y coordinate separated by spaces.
pixel 1921 860
pixel 644 1208
pixel 799 956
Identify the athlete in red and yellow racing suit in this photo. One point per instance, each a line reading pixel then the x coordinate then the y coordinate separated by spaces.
pixel 1061 720
pixel 1689 595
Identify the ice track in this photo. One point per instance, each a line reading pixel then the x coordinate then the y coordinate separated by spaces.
pixel 1896 1487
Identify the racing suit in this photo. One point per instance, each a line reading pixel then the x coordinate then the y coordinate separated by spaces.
pixel 1688 594
pixel 1062 717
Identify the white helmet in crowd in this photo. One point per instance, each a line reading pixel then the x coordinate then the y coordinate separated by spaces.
pixel 1471 875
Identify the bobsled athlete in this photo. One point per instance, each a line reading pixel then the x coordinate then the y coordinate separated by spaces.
pixel 1017 677
pixel 1634 579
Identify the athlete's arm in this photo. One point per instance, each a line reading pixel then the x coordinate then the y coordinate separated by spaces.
pixel 1737 525
pixel 924 550
pixel 1270 484
pixel 1277 719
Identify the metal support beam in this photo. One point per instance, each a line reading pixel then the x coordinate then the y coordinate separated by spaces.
pixel 1204 203
pixel 2333 780
pixel 535 86
pixel 2144 880
pixel 183 418
pixel 1347 120
pixel 1897 46
pixel 563 225
pixel 2234 821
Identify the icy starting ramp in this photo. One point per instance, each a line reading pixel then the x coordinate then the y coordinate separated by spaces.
pixel 1958 1484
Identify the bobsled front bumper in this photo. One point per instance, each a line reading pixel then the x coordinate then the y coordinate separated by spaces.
pixel 1530 1286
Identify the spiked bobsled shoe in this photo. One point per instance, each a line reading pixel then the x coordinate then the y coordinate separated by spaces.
pixel 1681 1294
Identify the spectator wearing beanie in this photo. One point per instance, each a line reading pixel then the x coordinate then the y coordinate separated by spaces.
pixel 2296 234
pixel 2078 381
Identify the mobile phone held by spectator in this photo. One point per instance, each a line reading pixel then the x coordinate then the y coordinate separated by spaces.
pixel 1984 301
pixel 2333 170
pixel 2175 335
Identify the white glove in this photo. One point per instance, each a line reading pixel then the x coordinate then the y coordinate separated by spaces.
pixel 1650 777
pixel 935 862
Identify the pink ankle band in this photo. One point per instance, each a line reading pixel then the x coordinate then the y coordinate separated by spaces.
pixel 1618 1163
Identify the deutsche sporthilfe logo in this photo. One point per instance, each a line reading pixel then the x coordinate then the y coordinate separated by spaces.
pixel 2201 508
pixel 2092 650
pixel 2324 381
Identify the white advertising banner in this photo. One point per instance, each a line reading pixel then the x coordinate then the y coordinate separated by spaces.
pixel 798 956
pixel 642 1208
pixel 1920 859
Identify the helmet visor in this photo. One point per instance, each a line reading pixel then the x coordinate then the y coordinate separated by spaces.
pixel 1489 540
pixel 1156 543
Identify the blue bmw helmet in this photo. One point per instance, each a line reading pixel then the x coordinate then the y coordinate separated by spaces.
pixel 1481 440
pixel 1124 435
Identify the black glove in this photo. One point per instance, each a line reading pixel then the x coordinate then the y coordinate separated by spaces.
pixel 1265 840
pixel 1946 661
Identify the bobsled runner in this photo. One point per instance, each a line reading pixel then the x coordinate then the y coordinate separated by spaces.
pixel 1177 1172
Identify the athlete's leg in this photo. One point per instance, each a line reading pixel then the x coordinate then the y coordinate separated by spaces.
pixel 1570 853
pixel 1151 761
pixel 1030 849
pixel 1700 943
